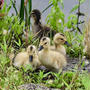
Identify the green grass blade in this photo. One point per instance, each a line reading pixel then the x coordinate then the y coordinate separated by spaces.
pixel 22 10
pixel 30 8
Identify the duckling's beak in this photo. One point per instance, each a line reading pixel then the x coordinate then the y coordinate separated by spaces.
pixel 31 58
pixel 67 43
pixel 40 48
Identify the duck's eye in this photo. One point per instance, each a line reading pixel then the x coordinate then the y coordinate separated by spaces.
pixel 61 39
pixel 61 34
pixel 45 43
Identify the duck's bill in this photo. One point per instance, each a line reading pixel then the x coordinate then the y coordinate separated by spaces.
pixel 31 58
pixel 66 43
pixel 40 48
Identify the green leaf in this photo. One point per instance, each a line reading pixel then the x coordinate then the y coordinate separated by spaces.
pixel 61 2
pixel 22 11
pixel 18 43
pixel 9 7
pixel 74 8
pixel 82 1
pixel 4 8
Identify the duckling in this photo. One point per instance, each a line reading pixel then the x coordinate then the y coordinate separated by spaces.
pixel 28 57
pixel 51 59
pixel 59 40
pixel 33 56
pixel 39 30
pixel 87 39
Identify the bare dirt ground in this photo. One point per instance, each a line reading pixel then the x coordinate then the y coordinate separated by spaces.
pixel 73 62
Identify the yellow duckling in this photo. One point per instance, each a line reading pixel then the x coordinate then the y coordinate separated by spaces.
pixel 51 59
pixel 33 56
pixel 28 57
pixel 59 40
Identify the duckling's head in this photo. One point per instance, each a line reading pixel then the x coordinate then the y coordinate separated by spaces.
pixel 60 39
pixel 35 15
pixel 44 43
pixel 31 49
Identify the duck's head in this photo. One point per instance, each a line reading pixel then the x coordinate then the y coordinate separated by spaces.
pixel 35 15
pixel 60 39
pixel 44 43
pixel 31 49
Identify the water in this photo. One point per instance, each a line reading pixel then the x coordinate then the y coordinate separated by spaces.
pixel 42 4
pixel 68 4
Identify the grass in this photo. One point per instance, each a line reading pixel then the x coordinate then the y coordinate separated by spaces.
pixel 11 78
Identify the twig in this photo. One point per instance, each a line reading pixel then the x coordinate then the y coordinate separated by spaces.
pixel 80 14
pixel 25 3
pixel 47 8
pixel 78 17
pixel 80 22
pixel 3 14
pixel 13 3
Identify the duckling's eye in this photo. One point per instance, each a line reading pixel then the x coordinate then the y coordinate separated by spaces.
pixel 45 43
pixel 61 34
pixel 61 38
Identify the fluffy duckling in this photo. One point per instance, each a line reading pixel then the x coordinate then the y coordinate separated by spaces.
pixel 87 39
pixel 50 59
pixel 33 56
pixel 39 30
pixel 28 57
pixel 59 40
